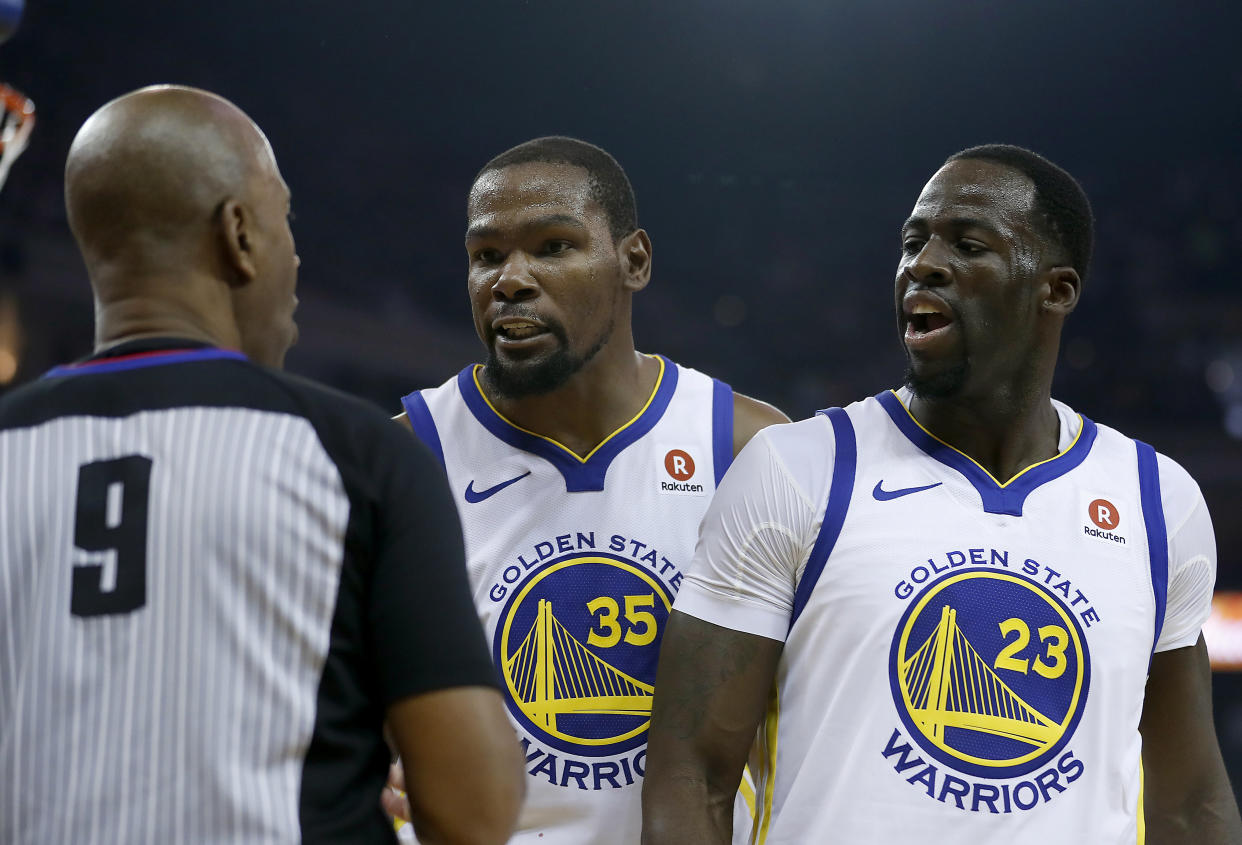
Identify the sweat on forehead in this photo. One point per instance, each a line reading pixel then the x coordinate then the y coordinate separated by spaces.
pixel 980 183
pixel 608 184
pixel 981 195
pixel 524 194
pixel 534 182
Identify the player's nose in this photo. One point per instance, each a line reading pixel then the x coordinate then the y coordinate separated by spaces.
pixel 515 280
pixel 930 266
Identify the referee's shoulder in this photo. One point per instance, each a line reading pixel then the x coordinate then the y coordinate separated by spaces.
pixel 349 425
pixel 18 400
pixel 319 397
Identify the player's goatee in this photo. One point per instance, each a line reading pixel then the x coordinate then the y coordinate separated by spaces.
pixel 939 385
pixel 515 379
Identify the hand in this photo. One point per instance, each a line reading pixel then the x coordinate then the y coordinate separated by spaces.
pixel 392 799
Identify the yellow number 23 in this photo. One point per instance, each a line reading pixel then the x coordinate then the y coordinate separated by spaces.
pixel 1053 637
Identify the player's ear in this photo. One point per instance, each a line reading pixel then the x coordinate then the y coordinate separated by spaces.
pixel 634 250
pixel 1063 286
pixel 237 242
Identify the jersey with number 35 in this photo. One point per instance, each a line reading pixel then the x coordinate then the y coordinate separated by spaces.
pixel 574 562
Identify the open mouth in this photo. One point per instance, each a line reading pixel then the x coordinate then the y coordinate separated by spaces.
pixel 924 319
pixel 518 329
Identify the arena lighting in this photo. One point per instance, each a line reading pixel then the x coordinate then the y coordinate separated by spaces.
pixel 17 120
pixel 1223 632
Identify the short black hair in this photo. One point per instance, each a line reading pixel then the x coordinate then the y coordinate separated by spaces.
pixel 1061 201
pixel 610 187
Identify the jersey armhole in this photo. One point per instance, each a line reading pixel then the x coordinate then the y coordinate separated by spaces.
pixel 722 428
pixel 1157 533
pixel 423 423
pixel 844 467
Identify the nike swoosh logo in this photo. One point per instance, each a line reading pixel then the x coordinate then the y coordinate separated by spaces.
pixel 882 495
pixel 475 496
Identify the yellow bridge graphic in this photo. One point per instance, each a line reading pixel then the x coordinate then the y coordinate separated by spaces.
pixel 554 674
pixel 950 686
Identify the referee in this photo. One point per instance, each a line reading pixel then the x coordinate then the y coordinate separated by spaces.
pixel 218 581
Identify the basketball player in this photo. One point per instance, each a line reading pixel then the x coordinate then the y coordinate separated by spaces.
pixel 961 611
pixel 207 567
pixel 581 468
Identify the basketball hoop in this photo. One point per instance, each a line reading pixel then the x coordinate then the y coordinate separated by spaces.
pixel 17 119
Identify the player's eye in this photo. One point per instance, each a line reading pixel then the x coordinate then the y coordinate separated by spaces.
pixel 912 246
pixel 971 247
pixel 486 256
pixel 556 247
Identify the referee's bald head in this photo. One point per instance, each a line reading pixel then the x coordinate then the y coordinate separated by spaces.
pixel 174 193
pixel 147 167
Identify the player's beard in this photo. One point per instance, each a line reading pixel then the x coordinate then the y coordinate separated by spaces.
pixel 945 383
pixel 516 379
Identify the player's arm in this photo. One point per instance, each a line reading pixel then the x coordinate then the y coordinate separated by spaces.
pixel 1186 793
pixel 750 415
pixel 463 772
pixel 721 647
pixel 712 689
pixel 1187 796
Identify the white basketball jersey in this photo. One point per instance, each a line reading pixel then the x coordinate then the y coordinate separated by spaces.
pixel 574 564
pixel 964 661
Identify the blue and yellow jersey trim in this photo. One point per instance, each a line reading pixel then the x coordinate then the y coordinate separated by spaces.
pixel 759 776
pixel 581 473
pixel 478 368
pixel 765 778
pixel 997 497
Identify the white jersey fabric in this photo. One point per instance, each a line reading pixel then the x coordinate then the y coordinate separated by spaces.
pixel 574 564
pixel 964 661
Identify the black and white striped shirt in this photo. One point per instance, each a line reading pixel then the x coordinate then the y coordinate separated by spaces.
pixel 214 579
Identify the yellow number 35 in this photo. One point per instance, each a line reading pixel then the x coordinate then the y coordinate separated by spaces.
pixel 606 610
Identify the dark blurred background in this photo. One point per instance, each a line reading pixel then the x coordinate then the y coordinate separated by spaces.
pixel 775 148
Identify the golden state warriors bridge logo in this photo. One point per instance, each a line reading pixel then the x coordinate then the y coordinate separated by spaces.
pixel 576 646
pixel 990 672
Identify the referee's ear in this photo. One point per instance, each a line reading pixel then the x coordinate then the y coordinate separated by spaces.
pixel 238 248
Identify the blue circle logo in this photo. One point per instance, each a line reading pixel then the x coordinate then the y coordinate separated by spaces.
pixel 989 672
pixel 577 648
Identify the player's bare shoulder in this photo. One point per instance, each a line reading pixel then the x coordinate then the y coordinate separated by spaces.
pixel 750 415
pixel 403 419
